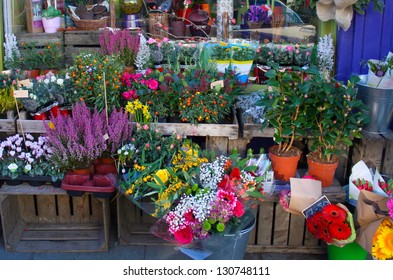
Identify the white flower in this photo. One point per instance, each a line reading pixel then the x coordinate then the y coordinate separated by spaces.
pixel 67 76
pixel 46 81
pixel 53 79
pixel 27 168
pixel 12 153
pixel 13 167
pixel 60 82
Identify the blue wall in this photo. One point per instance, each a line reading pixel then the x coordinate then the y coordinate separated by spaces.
pixel 370 36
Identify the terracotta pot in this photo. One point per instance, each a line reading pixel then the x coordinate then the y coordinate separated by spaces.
pixel 107 160
pixel 323 172
pixel 31 74
pixel 284 167
pixel 82 171
pixel 128 69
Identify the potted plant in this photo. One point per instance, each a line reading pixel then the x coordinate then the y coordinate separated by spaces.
pixel 12 55
pixel 380 72
pixel 87 78
pixel 31 59
pixel 286 102
pixel 220 54
pixel 52 57
pixel 51 18
pixel 339 116
pixel 121 43
pixel 242 58
pixel 7 100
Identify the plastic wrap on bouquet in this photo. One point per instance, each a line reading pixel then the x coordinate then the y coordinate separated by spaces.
pixel 229 244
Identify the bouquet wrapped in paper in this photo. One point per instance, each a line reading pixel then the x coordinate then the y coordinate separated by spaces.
pixel 374 214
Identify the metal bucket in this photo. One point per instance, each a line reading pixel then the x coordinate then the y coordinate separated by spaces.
pixel 380 103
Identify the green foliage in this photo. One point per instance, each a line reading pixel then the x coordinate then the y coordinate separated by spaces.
pixel 51 12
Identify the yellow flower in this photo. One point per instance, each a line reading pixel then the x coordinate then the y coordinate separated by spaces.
pixel 51 125
pixel 385 242
pixel 163 174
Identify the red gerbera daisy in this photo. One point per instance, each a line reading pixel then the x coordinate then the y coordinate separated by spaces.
pixel 339 230
pixel 313 224
pixel 332 212
pixel 324 231
pixel 235 174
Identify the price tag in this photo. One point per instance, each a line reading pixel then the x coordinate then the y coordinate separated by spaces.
pixel 217 83
pixel 21 93
pixel 106 136
pixel 6 72
pixel 24 83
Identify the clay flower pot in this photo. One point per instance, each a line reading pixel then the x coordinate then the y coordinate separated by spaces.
pixel 284 167
pixel 323 172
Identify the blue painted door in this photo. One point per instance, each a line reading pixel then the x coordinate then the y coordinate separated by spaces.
pixel 370 36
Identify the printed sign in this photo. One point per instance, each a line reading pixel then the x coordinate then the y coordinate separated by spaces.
pixel 6 72
pixel 21 93
pixel 217 83
pixel 315 207
pixel 24 83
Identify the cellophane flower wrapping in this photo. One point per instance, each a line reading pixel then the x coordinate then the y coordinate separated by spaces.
pixel 222 200
pixel 361 178
pixel 333 224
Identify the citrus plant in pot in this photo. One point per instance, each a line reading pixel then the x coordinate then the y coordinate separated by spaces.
pixel 338 118
pixel 286 106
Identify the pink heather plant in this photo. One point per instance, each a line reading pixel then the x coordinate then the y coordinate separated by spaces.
pixel 121 43
pixel 119 131
pixel 77 140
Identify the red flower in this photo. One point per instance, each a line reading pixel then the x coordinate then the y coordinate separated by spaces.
pixel 339 230
pixel 332 212
pixel 235 174
pixel 226 184
pixel 184 236
pixel 189 216
pixel 227 196
pixel 238 210
pixel 313 223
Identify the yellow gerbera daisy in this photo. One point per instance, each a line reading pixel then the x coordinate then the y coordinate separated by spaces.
pixel 385 241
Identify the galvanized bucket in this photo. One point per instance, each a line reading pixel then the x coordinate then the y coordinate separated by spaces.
pixel 380 103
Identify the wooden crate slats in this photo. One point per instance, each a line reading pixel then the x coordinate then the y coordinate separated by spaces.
pixel 281 226
pixel 7 125
pixel 296 230
pixel 81 208
pixel 64 209
pixel 217 144
pixel 240 144
pixel 96 208
pixel 60 246
pixel 12 224
pixel 48 235
pixel 27 207
pixel 265 223
pixel 46 208
pixel 40 38
pixel 369 149
pixel 82 38
pixel 387 165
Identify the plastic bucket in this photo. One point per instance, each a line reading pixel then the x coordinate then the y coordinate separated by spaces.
pixel 380 103
pixel 351 251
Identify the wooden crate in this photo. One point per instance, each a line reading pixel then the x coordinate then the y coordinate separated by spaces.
pixel 40 38
pixel 7 125
pixel 78 41
pixel 46 219
pixel 275 230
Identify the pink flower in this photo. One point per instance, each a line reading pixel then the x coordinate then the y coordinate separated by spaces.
pixel 289 48
pixel 189 216
pixel 184 236
pixel 390 206
pixel 131 94
pixel 148 71
pixel 147 145
pixel 165 40
pixel 239 210
pixel 145 127
pixel 151 41
pixel 308 177
pixel 152 84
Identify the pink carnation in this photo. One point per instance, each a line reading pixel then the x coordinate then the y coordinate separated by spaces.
pixel 238 210
pixel 152 84
pixel 184 235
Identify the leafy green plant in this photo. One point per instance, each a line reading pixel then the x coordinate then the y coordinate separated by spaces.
pixel 52 56
pixel 87 78
pixel 7 100
pixel 220 52
pixel 51 12
pixel 243 52
pixel 31 58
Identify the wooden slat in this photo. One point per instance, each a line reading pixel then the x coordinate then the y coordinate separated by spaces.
pixel 265 223
pixel 296 230
pixel 96 209
pixel 83 38
pixel 186 129
pixel 46 207
pixel 217 144
pixel 81 208
pixel 281 226
pixel 30 126
pixel 63 226
pixel 61 246
pixel 27 208
pixel 41 38
pixel 285 249
pixel 33 235
pixel 369 149
pixel 64 209
pixel 28 190
pixel 239 144
pixel 7 125
pixel 12 223
pixel 387 165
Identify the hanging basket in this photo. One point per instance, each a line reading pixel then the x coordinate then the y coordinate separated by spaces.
pixel 88 24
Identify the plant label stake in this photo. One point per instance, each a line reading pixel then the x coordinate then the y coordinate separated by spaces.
pixel 106 101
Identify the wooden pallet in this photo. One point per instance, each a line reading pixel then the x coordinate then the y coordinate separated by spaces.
pixel 275 230
pixel 46 219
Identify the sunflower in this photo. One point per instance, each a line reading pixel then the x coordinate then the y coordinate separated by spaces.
pixel 332 212
pixel 339 230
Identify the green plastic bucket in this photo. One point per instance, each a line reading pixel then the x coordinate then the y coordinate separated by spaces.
pixel 351 251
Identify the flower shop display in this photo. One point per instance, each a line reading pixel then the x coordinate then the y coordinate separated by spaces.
pixel 251 113
pixel 283 54
pixel 122 43
pixel 264 54
pixel 27 159
pixel 219 53
pixel 31 59
pixel 47 94
pixel 142 58
pixel 51 18
pixel 161 52
pixel 90 17
pixel 94 75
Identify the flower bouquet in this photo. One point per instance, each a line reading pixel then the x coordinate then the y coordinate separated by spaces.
pixel 333 224
pixel 218 203
pixel 380 73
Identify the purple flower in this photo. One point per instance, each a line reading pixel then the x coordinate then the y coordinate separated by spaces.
pixel 390 206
